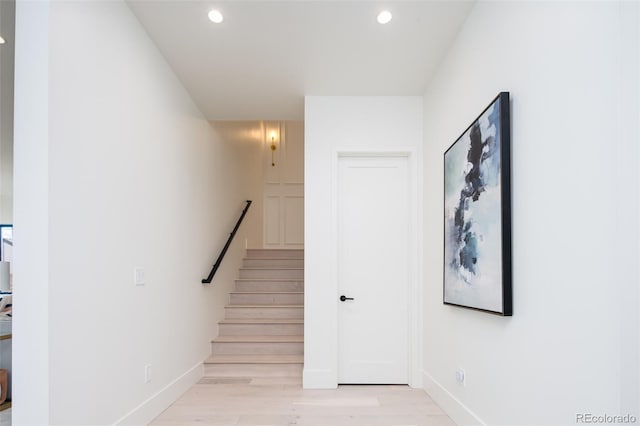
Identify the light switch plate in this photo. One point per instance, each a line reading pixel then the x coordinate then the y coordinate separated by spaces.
pixel 147 373
pixel 138 276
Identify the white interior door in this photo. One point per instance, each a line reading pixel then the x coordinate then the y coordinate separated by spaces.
pixel 373 269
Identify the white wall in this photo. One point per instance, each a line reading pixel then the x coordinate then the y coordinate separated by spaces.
pixel 283 186
pixel 115 169
pixel 332 125
pixel 31 384
pixel 250 156
pixel 572 343
pixel 247 140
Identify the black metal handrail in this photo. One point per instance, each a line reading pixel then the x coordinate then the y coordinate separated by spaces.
pixel 226 246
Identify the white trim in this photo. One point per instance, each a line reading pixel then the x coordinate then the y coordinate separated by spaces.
pixel 319 379
pixel 266 244
pixel 416 323
pixel 283 205
pixel 415 308
pixel 376 153
pixel 459 413
pixel 154 405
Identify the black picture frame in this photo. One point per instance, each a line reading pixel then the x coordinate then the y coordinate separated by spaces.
pixel 477 214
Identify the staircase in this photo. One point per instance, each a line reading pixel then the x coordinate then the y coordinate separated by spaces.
pixel 262 334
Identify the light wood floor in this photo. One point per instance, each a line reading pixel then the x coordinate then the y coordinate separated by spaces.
pixel 282 401
pixel 5 417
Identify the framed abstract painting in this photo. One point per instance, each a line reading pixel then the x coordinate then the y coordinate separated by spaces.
pixel 477 213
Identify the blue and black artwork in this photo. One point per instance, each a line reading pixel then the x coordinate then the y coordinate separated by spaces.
pixel 473 232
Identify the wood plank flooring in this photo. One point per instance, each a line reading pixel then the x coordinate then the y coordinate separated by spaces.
pixel 5 417
pixel 282 402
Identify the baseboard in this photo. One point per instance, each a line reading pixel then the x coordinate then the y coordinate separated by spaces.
pixel 459 413
pixel 319 379
pixel 144 413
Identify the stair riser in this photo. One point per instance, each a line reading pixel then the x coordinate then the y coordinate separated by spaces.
pixel 261 329
pixel 253 370
pixel 269 285
pixel 273 263
pixel 274 313
pixel 255 348
pixel 266 299
pixel 272 273
pixel 262 253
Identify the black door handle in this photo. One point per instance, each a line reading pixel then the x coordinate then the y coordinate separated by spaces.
pixel 343 298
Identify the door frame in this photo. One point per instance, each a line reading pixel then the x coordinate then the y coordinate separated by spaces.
pixel 415 273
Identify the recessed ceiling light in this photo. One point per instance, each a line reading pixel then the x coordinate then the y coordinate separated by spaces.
pixel 215 16
pixel 1 40
pixel 384 17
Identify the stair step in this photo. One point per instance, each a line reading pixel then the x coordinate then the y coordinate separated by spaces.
pixel 255 359
pixel 264 321
pixel 273 262
pixel 273 273
pixel 261 327
pixel 264 311
pixel 265 345
pixel 258 339
pixel 271 253
pixel 253 366
pixel 262 348
pixel 257 284
pixel 266 298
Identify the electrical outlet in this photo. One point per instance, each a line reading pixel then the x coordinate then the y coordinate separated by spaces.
pixel 138 276
pixel 147 373
pixel 461 376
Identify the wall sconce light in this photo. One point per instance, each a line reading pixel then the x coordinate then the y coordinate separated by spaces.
pixel 273 137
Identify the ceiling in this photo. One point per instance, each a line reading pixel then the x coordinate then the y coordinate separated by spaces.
pixel 267 55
